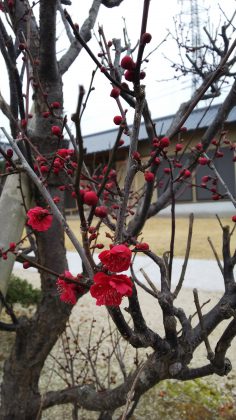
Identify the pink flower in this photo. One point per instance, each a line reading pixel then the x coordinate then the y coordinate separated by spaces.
pixel 68 291
pixel 109 290
pixel 117 258
pixel 39 219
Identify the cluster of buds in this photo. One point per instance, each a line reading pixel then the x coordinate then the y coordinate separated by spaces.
pixel 11 248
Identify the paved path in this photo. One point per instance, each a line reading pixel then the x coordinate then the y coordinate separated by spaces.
pixel 202 274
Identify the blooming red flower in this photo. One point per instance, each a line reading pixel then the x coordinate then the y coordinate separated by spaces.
pixel 67 290
pixel 234 218
pixel 109 289
pixel 39 219
pixel 117 258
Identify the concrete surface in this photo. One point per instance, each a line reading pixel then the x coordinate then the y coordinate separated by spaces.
pixel 202 274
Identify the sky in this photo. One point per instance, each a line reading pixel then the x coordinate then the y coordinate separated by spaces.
pixel 163 97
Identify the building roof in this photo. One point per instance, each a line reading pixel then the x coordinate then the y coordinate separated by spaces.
pixel 199 118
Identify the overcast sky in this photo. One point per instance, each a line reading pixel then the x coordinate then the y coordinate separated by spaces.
pixel 163 97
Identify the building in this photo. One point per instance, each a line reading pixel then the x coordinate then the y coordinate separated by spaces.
pixel 98 146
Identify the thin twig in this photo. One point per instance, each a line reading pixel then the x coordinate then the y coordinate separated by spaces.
pixel 156 291
pixel 186 257
pixel 210 353
pixel 216 255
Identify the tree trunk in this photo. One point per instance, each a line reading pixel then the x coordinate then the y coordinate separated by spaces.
pixel 36 337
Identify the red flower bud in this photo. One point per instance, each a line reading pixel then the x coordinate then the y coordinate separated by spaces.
pixel 117 120
pixel 101 212
pixel 187 173
pixel 205 178
pixel 90 198
pixel 178 147
pixel 46 114
pixel 129 75
pixel 215 197
pixel 9 153
pixel 127 63
pixel 26 265
pixel 164 142
pixel 143 246
pixel 146 38
pixel 115 92
pixel 12 246
pixel 157 160
pixel 44 168
pixel 149 176
pixel 199 146
pixel 203 161
pixel 136 156
pixel 23 123
pixel 56 130
pixel 22 46
pixel 234 218
pixel 55 105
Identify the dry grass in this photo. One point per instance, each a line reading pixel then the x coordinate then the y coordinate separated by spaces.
pixel 157 233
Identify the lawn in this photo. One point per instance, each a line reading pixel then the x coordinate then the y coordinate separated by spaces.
pixel 157 233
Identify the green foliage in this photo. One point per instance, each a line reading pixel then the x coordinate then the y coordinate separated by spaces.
pixel 190 400
pixel 22 292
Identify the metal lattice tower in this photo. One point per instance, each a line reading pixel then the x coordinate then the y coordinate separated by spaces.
pixel 191 8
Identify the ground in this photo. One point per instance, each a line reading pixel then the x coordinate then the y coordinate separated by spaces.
pixel 209 398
